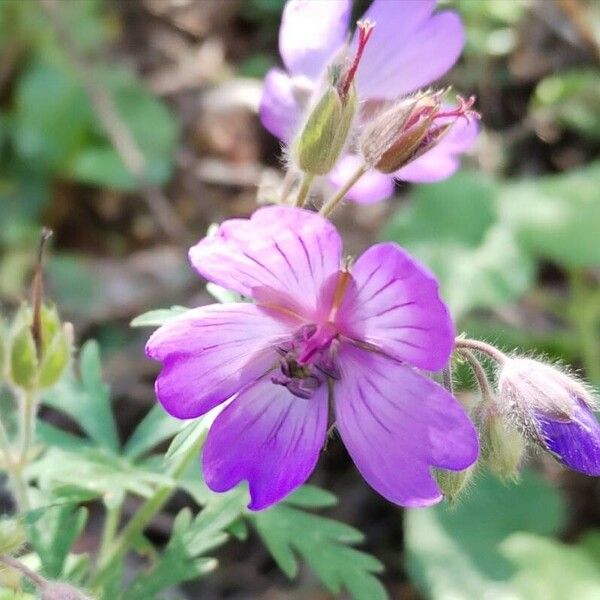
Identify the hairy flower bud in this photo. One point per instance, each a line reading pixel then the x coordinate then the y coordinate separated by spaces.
pixel 39 361
pixel 453 483
pixel 325 132
pixel 404 130
pixel 329 122
pixel 552 409
pixel 502 445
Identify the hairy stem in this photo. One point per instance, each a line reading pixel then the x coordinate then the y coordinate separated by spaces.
pixel 479 346
pixel 305 185
pixel 332 203
pixel 483 382
pixel 34 577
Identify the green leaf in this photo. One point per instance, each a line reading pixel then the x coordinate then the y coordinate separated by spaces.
pixel 571 98
pixel 152 126
pixel 557 217
pixel 97 471
pixel 550 570
pixel 454 228
pixel 53 534
pixel 454 552
pixel 52 116
pixel 156 427
pixel 182 559
pixel 324 544
pixel 156 318
pixel 86 399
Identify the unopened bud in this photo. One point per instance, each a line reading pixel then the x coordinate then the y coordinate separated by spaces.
pixel 62 591
pixel 453 483
pixel 325 132
pixel 552 409
pixel 408 128
pixel 39 362
pixel 502 446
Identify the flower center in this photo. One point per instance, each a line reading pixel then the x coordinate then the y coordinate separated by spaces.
pixel 307 360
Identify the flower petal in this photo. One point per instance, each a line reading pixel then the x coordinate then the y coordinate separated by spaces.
pixel 395 306
pixel 268 437
pixel 397 424
pixel 371 187
pixel 210 353
pixel 408 49
pixel 576 443
pixel 281 255
pixel 279 110
pixel 442 160
pixel 310 34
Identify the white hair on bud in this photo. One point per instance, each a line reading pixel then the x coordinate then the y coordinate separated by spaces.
pixel 62 591
pixel 528 388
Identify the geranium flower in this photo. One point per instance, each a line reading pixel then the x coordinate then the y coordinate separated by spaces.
pixel 363 332
pixel 409 48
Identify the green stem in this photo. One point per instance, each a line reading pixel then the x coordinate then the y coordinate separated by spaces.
pixel 584 313
pixel 332 203
pixel 143 516
pixel 305 185
pixel 12 469
pixel 483 383
pixel 28 410
pixel 111 525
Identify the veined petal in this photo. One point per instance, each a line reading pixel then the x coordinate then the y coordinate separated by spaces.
pixel 311 33
pixel 280 256
pixel 397 424
pixel 443 159
pixel 395 306
pixel 268 437
pixel 408 49
pixel 279 109
pixel 576 442
pixel 371 187
pixel 210 353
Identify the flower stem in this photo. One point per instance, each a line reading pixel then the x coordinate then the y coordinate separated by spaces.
pixel 143 516
pixel 305 185
pixel 34 577
pixel 332 203
pixel 483 383
pixel 479 346
pixel 584 313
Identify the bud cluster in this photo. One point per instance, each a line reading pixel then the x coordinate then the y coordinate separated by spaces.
pixel 532 402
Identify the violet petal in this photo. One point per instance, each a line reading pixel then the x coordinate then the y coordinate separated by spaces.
pixel 408 50
pixel 281 255
pixel 210 353
pixel 397 424
pixel 576 443
pixel 268 437
pixel 395 306
pixel 311 33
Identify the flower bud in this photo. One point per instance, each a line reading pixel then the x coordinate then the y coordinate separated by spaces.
pixel 553 410
pixel 325 132
pixel 39 363
pixel 453 483
pixel 502 446
pixel 408 128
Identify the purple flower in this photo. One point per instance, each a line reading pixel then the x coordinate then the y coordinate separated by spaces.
pixel 553 410
pixel 315 325
pixel 410 47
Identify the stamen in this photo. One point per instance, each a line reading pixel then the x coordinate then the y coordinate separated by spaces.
pixel 462 110
pixel 365 29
